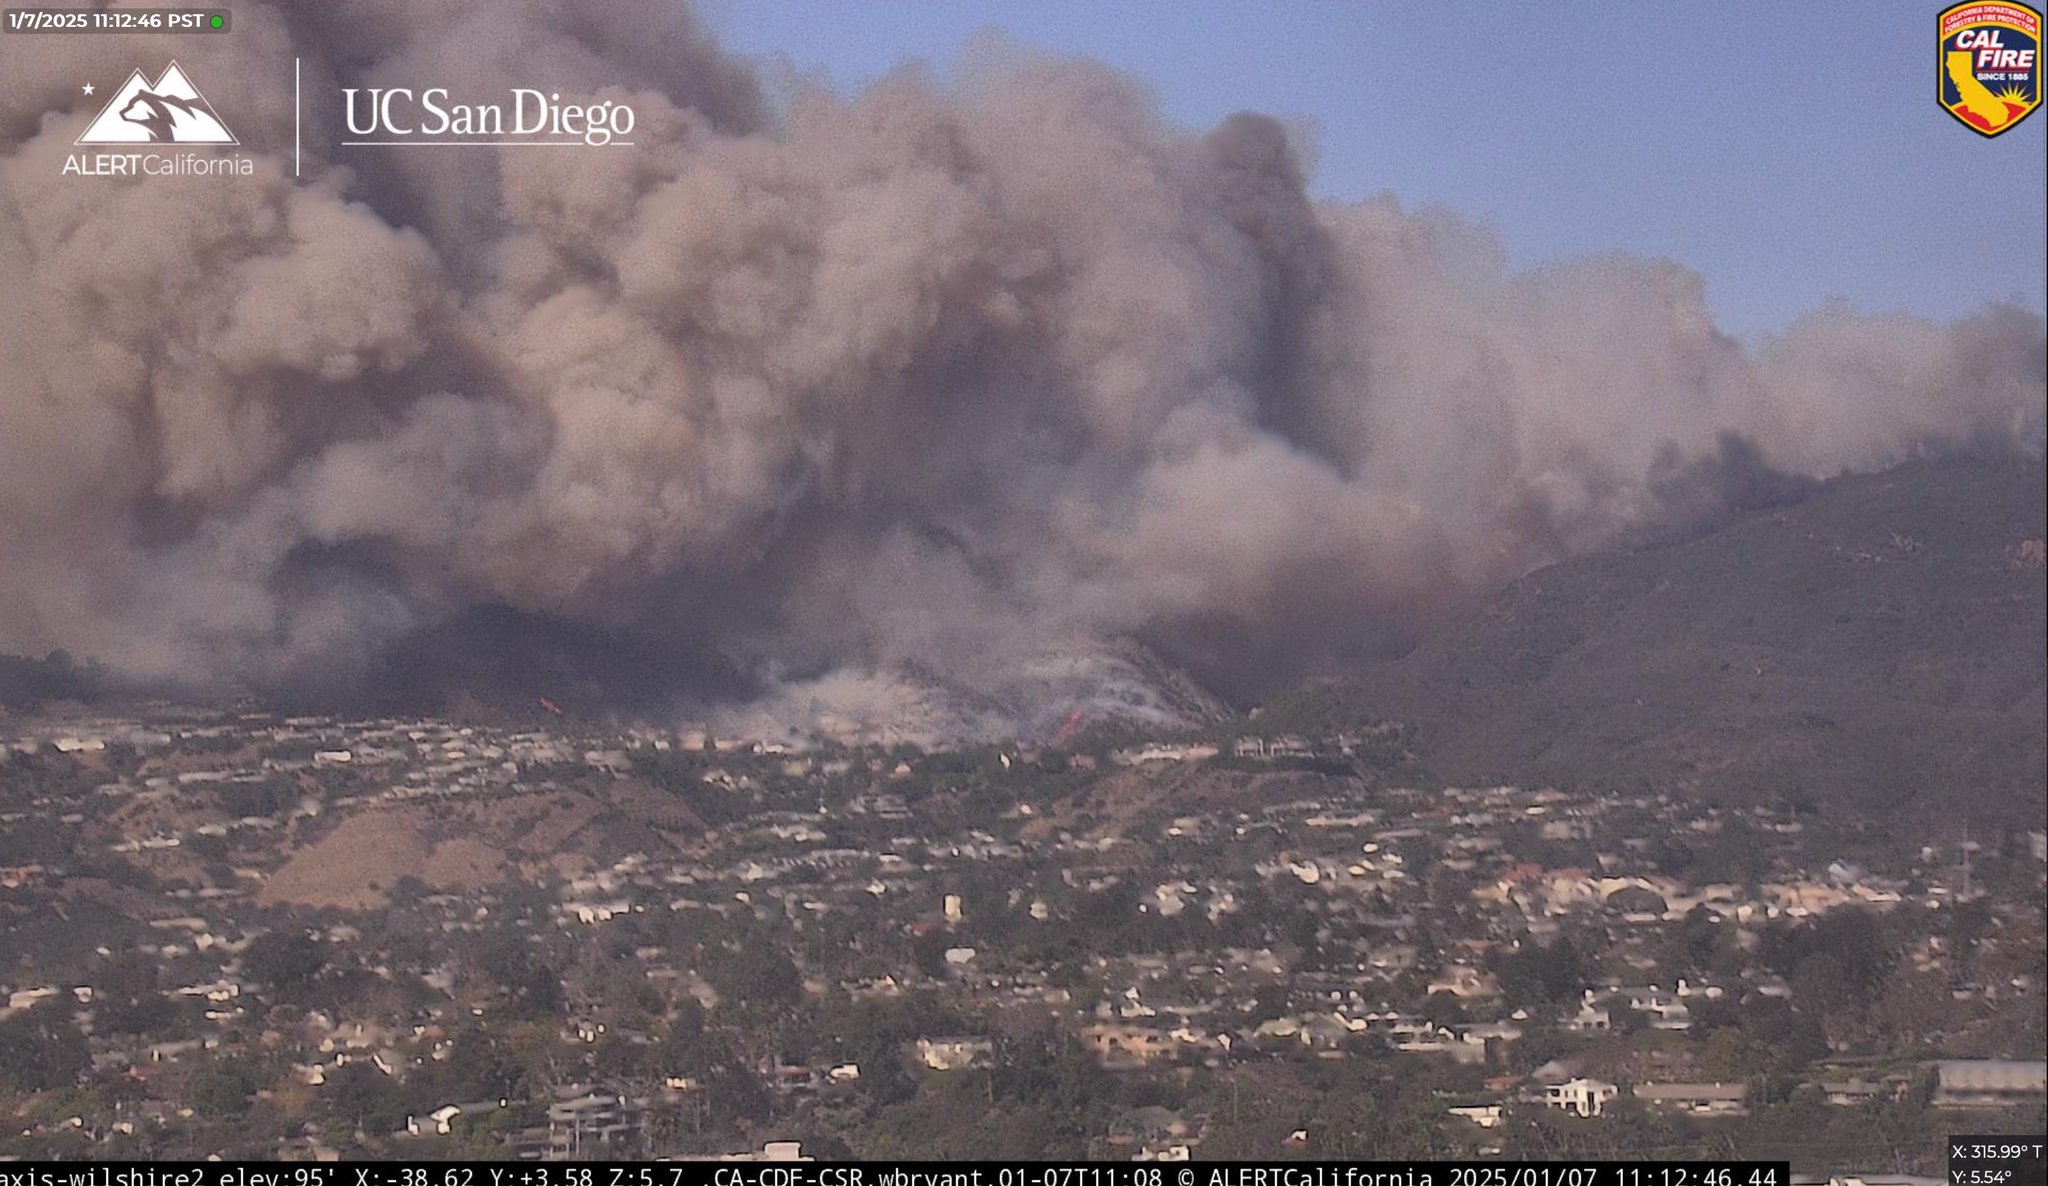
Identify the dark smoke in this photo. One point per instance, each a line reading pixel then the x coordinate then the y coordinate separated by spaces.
pixel 789 398
pixel 1697 492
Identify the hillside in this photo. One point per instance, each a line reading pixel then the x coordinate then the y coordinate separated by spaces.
pixel 1879 643
pixel 28 683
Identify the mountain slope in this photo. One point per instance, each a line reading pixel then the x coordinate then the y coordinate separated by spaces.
pixel 1880 644
pixel 1112 681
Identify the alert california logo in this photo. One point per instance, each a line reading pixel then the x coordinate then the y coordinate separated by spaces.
pixel 142 116
pixel 170 112
pixel 1988 64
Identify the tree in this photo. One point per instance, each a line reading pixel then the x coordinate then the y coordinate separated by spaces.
pixel 526 978
pixel 1822 986
pixel 758 975
pixel 1836 963
pixel 1442 1009
pixel 40 1049
pixel 1699 936
pixel 928 951
pixel 734 1093
pixel 1538 974
pixel 366 1097
pixel 480 1066
pixel 1795 1038
pixel 287 961
pixel 220 1089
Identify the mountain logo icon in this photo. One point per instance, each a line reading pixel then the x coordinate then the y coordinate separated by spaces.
pixel 170 112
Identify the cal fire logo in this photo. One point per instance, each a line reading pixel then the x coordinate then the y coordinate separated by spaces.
pixel 1989 70
pixel 170 112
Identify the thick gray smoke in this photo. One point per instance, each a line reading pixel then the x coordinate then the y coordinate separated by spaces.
pixel 964 375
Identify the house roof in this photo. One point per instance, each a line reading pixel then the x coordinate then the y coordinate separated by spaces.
pixel 1992 1074
pixel 1692 1092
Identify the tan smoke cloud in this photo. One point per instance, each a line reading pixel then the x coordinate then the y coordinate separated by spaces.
pixel 953 375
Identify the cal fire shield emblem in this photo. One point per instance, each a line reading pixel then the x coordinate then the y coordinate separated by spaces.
pixel 1988 64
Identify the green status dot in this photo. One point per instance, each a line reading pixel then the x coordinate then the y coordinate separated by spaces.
pixel 216 22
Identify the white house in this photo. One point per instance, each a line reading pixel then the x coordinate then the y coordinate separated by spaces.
pixel 1581 1097
pixel 953 1054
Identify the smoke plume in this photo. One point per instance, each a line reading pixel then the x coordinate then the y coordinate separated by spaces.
pixel 958 376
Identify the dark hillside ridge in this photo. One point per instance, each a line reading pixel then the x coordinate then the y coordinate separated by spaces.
pixel 28 683
pixel 1879 645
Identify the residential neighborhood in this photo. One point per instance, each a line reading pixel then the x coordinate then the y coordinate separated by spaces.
pixel 306 937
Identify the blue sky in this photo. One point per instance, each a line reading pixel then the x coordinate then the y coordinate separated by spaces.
pixel 1791 152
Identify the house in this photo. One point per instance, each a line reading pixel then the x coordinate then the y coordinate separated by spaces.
pixel 1483 1115
pixel 585 1123
pixel 442 1119
pixel 1666 1009
pixel 29 998
pixel 592 912
pixel 881 805
pixel 1158 752
pixel 1849 1093
pixel 1492 1031
pixel 1289 746
pixel 1286 1029
pixel 787 1077
pixel 1154 1130
pixel 1128 1045
pixel 220 991
pixel 1464 981
pixel 1328 1031
pixel 1697 1099
pixel 1989 1083
pixel 1590 1019
pixel 769 1151
pixel 954 1054
pixel 1581 1097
